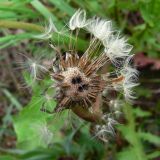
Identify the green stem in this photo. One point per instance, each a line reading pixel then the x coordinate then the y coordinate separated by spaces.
pixel 116 12
pixel 150 80
pixel 20 25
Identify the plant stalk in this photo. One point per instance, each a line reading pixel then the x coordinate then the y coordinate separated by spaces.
pixel 86 115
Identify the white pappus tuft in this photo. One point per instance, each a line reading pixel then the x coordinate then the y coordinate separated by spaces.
pixel 116 107
pixel 117 47
pixel 33 67
pixel 49 30
pixel 100 28
pixel 102 132
pixel 130 77
pixel 36 69
pixel 107 128
pixel 78 20
pixel 130 80
pixel 45 135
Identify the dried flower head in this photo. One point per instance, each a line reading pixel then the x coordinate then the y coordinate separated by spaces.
pixel 78 81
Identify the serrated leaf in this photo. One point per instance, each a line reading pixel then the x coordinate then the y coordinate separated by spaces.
pixel 125 154
pixel 150 11
pixel 146 16
pixel 146 136
pixel 141 113
pixel 153 155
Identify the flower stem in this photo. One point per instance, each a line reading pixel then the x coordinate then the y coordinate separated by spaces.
pixel 86 115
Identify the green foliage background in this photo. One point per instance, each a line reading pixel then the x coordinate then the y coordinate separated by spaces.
pixel 29 18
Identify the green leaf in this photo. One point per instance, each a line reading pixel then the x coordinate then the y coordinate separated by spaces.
pixel 5 157
pixel 27 125
pixel 36 154
pixel 130 134
pixel 43 10
pixel 13 39
pixel 142 91
pixel 153 155
pixel 126 153
pixel 146 16
pixel 63 6
pixel 150 12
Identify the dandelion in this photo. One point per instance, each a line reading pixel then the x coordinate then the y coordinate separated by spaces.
pixel 78 81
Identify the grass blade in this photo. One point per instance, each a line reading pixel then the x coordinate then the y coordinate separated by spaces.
pixel 12 99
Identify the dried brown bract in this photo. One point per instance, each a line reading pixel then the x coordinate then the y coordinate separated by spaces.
pixel 77 80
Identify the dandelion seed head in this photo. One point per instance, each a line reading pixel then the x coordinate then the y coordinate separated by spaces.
pixel 78 80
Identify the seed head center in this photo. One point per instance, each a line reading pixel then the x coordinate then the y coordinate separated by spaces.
pixel 78 82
